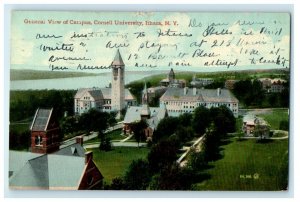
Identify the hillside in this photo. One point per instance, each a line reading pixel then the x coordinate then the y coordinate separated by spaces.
pixel 35 74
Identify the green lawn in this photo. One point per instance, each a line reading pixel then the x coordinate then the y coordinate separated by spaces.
pixel 242 160
pixel 115 163
pixel 275 117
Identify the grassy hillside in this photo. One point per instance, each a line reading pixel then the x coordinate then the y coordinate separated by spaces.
pixel 248 165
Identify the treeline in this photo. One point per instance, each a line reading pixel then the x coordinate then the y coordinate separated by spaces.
pixel 250 93
pixel 160 171
pixel 23 104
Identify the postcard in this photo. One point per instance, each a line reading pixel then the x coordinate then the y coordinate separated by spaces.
pixel 192 101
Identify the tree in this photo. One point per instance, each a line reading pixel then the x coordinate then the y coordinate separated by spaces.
pixel 173 178
pixel 216 84
pixel 94 120
pixel 166 127
pixel 138 131
pixel 249 92
pixel 210 145
pixel 117 184
pixel 184 134
pixel 197 161
pixel 260 130
pixel 136 89
pixel 162 155
pixel 68 125
pixel 105 144
pixel 223 119
pixel 137 176
pixel 112 119
pixel 257 92
pixel 185 119
pixel 201 119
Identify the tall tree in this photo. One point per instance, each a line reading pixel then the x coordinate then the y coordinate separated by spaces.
pixel 223 119
pixel 201 119
pixel 210 145
pixel 138 131
pixel 165 128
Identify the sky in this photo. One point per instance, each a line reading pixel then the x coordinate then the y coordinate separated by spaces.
pixel 209 41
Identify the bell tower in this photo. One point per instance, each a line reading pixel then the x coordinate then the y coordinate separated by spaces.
pixel 145 112
pixel 117 83
pixel 44 132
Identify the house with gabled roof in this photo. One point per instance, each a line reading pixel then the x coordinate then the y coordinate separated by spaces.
pixel 49 167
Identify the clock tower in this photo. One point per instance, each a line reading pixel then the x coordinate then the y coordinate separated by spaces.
pixel 117 83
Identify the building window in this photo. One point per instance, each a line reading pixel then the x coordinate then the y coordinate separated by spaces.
pixel 38 140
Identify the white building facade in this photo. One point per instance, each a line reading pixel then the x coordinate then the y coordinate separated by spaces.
pixel 185 100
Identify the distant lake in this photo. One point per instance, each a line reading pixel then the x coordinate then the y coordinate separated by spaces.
pixel 99 81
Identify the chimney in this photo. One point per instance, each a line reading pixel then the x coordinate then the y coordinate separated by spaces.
pixel 194 91
pixel 79 140
pixel 185 89
pixel 218 91
pixel 88 156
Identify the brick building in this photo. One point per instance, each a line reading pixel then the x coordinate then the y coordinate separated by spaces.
pixel 49 167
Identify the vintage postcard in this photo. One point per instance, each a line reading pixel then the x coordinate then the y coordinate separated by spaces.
pixel 149 101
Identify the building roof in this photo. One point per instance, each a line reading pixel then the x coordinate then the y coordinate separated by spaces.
pixel 118 61
pixel 252 119
pixel 249 119
pixel 60 170
pixel 178 94
pixel 18 159
pixel 211 95
pixel 133 114
pixel 145 110
pixel 41 119
pixel 72 150
pixel 101 93
pixel 201 95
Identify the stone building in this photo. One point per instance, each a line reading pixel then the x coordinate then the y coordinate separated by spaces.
pixel 184 100
pixel 201 82
pixel 110 99
pixel 171 81
pixel 273 85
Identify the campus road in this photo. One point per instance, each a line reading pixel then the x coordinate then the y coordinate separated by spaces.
pixel 91 136
pixel 116 144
